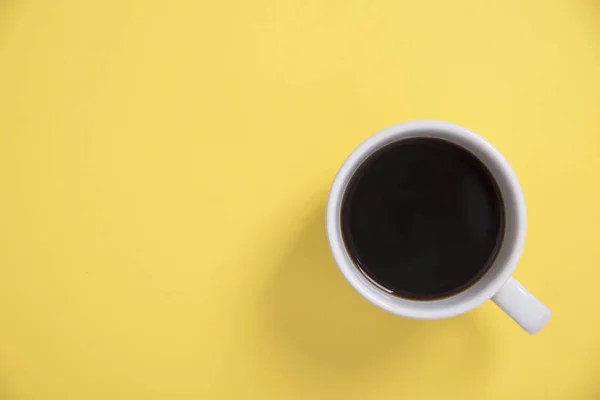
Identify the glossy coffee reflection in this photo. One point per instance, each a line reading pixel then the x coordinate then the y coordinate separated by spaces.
pixel 422 218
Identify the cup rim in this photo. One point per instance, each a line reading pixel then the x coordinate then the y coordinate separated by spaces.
pixel 506 259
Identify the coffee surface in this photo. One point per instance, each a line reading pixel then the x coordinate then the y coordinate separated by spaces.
pixel 423 218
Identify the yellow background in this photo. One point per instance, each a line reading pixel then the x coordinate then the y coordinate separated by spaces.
pixel 164 168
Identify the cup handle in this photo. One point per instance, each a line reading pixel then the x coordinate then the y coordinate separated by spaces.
pixel 522 306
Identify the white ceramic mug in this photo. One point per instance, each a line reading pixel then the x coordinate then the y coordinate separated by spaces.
pixel 497 283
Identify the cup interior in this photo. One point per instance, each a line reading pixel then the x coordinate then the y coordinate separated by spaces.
pixel 512 241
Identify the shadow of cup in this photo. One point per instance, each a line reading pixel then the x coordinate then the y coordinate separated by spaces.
pixel 314 318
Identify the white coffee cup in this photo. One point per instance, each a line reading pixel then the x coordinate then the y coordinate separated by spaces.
pixel 496 284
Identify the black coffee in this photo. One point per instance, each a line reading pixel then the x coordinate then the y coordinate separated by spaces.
pixel 423 218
